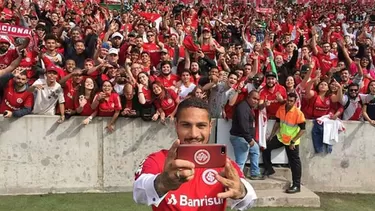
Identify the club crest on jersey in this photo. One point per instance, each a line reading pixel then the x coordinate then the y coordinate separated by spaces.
pixel 208 177
pixel 170 101
pixel 19 100
pixel 327 102
pixel 202 157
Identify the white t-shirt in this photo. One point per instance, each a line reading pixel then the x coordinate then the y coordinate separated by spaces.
pixel 184 91
pixel 46 98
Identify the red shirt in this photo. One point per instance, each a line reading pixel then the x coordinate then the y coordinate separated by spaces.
pixel 87 110
pixel 168 104
pixel 271 97
pixel 318 107
pixel 69 92
pixel 13 101
pixel 147 93
pixel 326 63
pixel 108 106
pixel 168 82
pixel 154 51
pixel 208 50
pixel 200 193
pixel 7 58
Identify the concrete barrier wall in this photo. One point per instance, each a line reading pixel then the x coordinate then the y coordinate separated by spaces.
pixel 37 155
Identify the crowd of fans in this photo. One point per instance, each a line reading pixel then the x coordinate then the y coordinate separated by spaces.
pixel 82 58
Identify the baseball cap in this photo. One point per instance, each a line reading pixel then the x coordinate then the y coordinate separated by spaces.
pixel 270 74
pixel 117 34
pixel 206 29
pixel 113 51
pixel 106 45
pixel 164 51
pixel 3 40
pixel 52 68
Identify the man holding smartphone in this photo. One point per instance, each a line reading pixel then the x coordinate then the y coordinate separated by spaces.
pixel 168 183
pixel 289 127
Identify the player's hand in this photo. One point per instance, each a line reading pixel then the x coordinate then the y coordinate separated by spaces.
pixel 231 180
pixel 175 173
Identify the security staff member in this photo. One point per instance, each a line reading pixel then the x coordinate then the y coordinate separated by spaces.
pixel 289 127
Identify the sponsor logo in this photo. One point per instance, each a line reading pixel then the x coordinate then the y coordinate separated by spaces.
pixel 172 200
pixel 208 177
pixel 185 201
pixel 202 157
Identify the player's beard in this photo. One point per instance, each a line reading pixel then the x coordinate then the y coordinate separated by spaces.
pixel 195 140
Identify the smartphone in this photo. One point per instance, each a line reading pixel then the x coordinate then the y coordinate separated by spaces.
pixel 203 155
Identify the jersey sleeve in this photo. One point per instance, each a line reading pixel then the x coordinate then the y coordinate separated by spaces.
pixel 153 164
pixel 144 190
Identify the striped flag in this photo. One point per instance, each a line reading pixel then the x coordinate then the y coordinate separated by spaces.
pixel 262 128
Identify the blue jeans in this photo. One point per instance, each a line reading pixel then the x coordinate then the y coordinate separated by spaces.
pixel 317 138
pixel 242 150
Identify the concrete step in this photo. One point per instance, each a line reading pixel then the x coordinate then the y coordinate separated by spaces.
pixel 278 198
pixel 279 172
pixel 273 182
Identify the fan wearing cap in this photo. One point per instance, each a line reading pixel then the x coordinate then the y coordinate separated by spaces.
pixel 7 54
pixel 17 101
pixel 47 94
pixel 113 56
pixel 209 45
pixel 117 39
pixel 33 21
pixel 101 51
pixel 272 96
pixel 15 63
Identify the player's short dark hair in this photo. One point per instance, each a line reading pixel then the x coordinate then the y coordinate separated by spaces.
pixel 193 102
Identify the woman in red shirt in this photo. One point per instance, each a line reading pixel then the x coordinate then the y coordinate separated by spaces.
pixel 145 96
pixel 209 45
pixel 84 98
pixel 165 101
pixel 319 104
pixel 108 104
